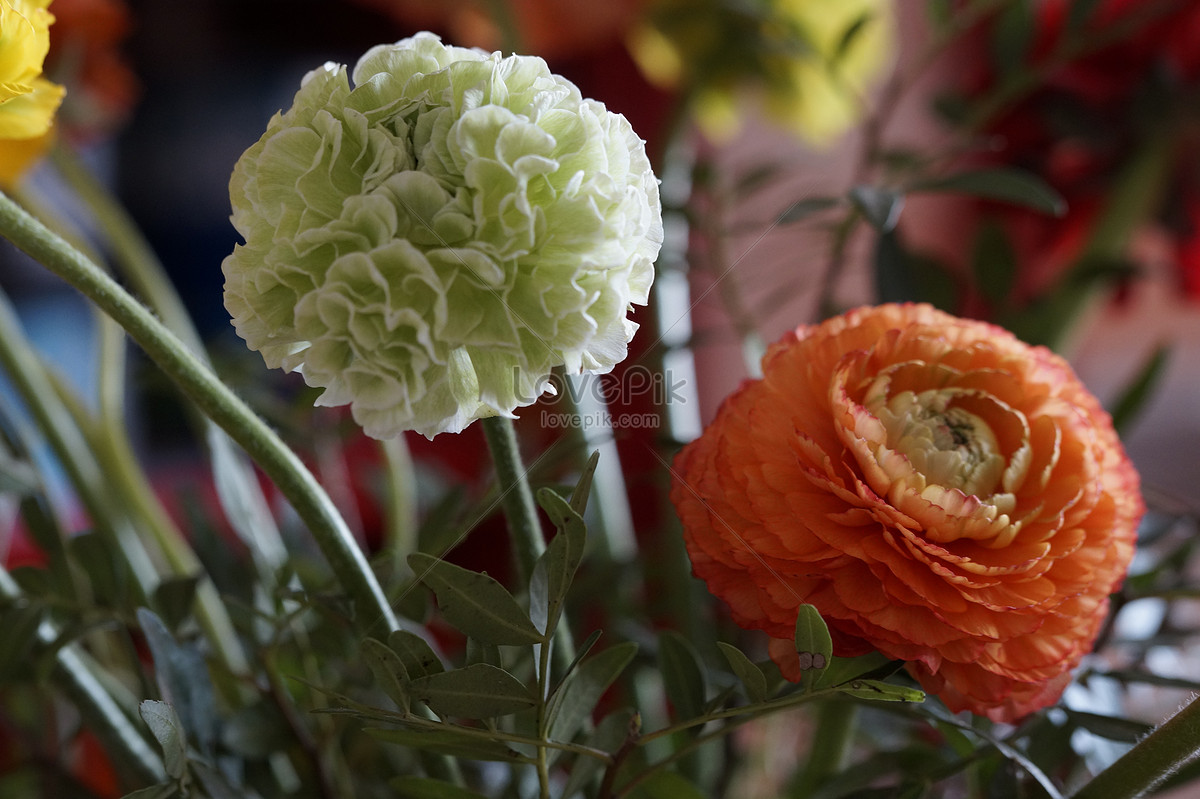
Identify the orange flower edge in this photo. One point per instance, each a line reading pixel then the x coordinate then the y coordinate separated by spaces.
pixel 942 492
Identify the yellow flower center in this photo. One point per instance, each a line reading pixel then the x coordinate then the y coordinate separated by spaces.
pixel 948 445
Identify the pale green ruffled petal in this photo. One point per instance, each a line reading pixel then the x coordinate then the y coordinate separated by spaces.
pixel 428 244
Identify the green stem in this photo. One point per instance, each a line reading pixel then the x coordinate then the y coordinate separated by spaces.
pixel 122 740
pixel 1172 744
pixel 400 530
pixel 831 745
pixel 217 401
pixel 70 446
pixel 237 488
pixel 524 529
pixel 139 501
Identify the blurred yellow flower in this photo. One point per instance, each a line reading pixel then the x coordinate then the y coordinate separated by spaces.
pixel 812 60
pixel 28 101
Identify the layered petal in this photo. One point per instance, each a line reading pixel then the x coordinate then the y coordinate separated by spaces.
pixel 940 491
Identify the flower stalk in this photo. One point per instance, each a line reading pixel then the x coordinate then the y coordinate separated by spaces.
pixel 216 401
pixel 516 498
pixel 1170 746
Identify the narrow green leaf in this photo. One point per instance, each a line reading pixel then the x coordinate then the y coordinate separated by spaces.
pixel 18 635
pixel 448 741
pixel 850 34
pixel 415 653
pixel 474 692
pixel 480 652
pixel 1013 186
pixel 610 734
pixel 583 487
pixel 425 788
pixel 560 511
pixel 683 676
pixel 1148 678
pixel 750 675
pixel 1133 398
pixel 881 691
pixel 940 12
pixel 388 669
pixel 475 603
pixel 173 599
pixel 994 263
pixel 1080 11
pixel 183 679
pixel 574 701
pixel 556 567
pixel 813 643
pixel 166 790
pixel 803 209
pixel 879 206
pixel 168 731
pixel 905 276
pixel 17 477
pixel 1113 728
pixel 872 665
pixel 1012 36
pixel 667 785
pixel 107 573
pixel 217 785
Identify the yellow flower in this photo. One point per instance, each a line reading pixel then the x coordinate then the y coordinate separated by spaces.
pixel 28 101
pixel 812 60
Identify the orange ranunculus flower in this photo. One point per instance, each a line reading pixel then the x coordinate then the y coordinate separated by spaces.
pixel 940 491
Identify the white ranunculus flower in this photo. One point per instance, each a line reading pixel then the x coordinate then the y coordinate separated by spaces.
pixel 427 245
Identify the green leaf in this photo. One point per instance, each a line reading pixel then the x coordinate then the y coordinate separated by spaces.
pixel 869 666
pixel 388 669
pixel 18 635
pixel 583 487
pixel 425 788
pixel 1140 389
pixel 1080 11
pixel 879 206
pixel 217 785
pixel 556 567
pixel 994 263
pixel 574 701
pixel 475 603
pixel 168 731
pixel 17 477
pixel 415 654
pixel 852 32
pixel 751 676
pixel 803 209
pixel 813 643
pixel 1113 728
pixel 107 573
pixel 173 599
pixel 474 692
pixel 1013 186
pixel 610 734
pixel 1012 36
pixel 881 691
pixel 448 741
pixel 683 676
pixel 667 785
pixel 166 790
pixel 183 680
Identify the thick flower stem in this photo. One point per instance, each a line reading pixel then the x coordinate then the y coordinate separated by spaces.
pixel 1173 744
pixel 524 529
pixel 216 401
